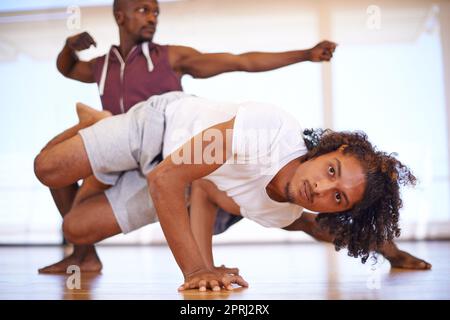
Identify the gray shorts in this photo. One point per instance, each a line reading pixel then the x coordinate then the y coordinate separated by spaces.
pixel 116 152
pixel 133 206
pixel 131 202
pixel 122 150
pixel 128 141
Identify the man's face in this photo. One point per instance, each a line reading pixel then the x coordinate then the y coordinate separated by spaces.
pixel 139 19
pixel 329 183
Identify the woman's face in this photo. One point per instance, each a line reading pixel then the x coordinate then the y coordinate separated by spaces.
pixel 333 182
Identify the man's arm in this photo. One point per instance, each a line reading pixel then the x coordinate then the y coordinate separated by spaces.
pixel 398 258
pixel 68 62
pixel 185 60
pixel 202 216
pixel 167 184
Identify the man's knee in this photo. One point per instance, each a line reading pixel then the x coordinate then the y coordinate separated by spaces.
pixel 44 169
pixel 73 232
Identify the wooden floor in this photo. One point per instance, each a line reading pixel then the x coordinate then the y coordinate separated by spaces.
pixel 282 271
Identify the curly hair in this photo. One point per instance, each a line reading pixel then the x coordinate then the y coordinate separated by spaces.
pixel 374 220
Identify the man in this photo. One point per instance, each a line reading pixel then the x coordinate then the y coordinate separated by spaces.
pixel 268 178
pixel 139 68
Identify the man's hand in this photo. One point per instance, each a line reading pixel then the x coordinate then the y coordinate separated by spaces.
pixel 207 279
pixel 323 51
pixel 226 271
pixel 398 258
pixel 404 260
pixel 81 41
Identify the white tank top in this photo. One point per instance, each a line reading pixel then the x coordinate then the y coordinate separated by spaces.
pixel 265 138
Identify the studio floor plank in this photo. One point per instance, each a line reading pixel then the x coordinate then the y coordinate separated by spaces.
pixel 278 271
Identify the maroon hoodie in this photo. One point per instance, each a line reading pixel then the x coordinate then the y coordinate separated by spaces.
pixel 145 72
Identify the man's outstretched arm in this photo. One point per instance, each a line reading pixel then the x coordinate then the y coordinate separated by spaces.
pixel 68 63
pixel 186 60
pixel 398 258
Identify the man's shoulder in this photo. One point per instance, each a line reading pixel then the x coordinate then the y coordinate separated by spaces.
pixel 180 50
pixel 178 53
pixel 97 60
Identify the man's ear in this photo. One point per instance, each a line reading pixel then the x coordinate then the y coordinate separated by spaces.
pixel 342 147
pixel 120 17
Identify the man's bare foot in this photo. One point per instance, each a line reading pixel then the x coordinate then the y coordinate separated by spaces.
pixel 404 260
pixel 88 116
pixel 91 263
pixel 87 261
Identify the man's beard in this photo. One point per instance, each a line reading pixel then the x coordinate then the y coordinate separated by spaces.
pixel 287 193
pixel 144 39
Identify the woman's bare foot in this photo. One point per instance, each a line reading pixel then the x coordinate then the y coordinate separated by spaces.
pixel 88 116
pixel 84 257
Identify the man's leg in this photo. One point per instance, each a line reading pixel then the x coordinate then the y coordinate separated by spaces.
pixel 64 197
pixel 63 161
pixel 90 220
pixel 63 164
